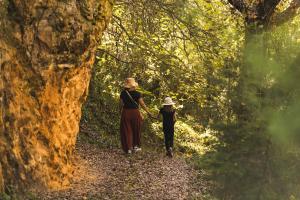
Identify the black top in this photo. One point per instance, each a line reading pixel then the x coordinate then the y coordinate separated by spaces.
pixel 168 118
pixel 128 104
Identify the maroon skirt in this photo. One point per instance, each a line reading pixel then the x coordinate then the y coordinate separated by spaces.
pixel 130 129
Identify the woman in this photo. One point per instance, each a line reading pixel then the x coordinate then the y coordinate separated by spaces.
pixel 131 118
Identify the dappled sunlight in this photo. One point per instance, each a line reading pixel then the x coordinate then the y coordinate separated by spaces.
pixel 90 92
pixel 187 139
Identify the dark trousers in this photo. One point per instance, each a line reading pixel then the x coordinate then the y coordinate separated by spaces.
pixel 130 129
pixel 169 137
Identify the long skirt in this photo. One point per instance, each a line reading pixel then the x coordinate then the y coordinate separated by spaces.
pixel 130 129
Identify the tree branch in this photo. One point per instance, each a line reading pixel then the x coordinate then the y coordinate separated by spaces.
pixel 115 57
pixel 239 5
pixel 267 9
pixel 287 15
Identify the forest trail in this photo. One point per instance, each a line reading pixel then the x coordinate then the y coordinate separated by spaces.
pixel 110 174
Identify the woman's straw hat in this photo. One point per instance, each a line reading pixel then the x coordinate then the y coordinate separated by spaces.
pixel 168 101
pixel 130 83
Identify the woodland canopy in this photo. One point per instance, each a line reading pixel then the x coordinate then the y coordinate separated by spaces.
pixel 233 68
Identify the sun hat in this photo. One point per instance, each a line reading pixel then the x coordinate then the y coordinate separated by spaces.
pixel 130 83
pixel 168 101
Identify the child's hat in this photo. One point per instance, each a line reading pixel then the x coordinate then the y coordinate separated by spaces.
pixel 168 101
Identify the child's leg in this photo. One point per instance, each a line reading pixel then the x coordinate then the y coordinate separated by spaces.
pixel 171 138
pixel 166 139
pixel 169 142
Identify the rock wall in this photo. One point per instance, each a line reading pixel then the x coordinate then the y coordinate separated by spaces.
pixel 46 54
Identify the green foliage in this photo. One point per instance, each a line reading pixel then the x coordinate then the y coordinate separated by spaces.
pixel 236 91
pixel 189 137
pixel 5 196
pixel 11 193
pixel 173 49
pixel 260 149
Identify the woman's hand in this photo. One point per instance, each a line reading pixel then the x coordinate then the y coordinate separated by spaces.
pixel 143 105
pixel 155 117
pixel 142 116
pixel 150 115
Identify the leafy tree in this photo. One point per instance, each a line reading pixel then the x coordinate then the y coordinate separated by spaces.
pixel 250 153
pixel 173 48
pixel 232 65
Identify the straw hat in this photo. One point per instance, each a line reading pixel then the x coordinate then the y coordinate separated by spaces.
pixel 130 83
pixel 168 101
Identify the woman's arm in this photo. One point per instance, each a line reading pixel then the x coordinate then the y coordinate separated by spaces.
pixel 121 104
pixel 143 105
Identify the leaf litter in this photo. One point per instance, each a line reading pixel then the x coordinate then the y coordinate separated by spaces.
pixel 110 174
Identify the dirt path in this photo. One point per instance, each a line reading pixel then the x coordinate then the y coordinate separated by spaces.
pixel 109 174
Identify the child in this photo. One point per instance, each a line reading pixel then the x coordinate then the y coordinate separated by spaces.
pixel 169 119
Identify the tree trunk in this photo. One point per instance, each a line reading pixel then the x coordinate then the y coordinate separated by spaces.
pixel 257 18
pixel 46 55
pixel 251 75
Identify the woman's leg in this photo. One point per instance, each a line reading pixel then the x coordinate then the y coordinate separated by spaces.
pixel 126 131
pixel 136 124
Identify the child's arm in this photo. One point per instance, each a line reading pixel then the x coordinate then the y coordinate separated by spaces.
pixel 175 117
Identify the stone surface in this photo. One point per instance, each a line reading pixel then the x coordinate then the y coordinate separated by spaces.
pixel 46 54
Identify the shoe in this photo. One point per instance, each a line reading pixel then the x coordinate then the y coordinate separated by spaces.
pixel 136 149
pixel 170 153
